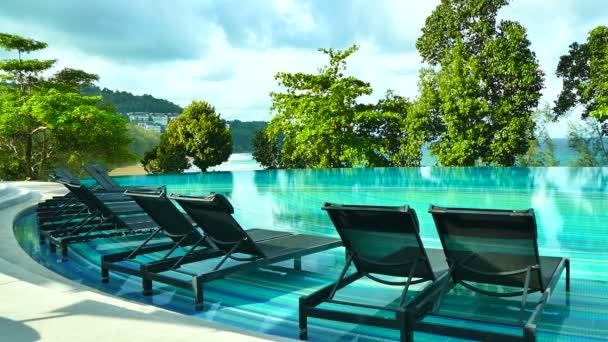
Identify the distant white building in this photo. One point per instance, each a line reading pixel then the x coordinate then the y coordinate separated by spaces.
pixel 151 126
pixel 138 116
pixel 160 118
pixel 154 121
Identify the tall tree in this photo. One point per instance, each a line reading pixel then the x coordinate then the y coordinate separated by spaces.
pixel 243 133
pixel 320 124
pixel 542 147
pixel 204 135
pixel 165 158
pixel 45 122
pixel 584 71
pixel 266 150
pixel 588 140
pixel 482 86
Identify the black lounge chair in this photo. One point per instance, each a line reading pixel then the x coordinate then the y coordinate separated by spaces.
pixel 494 247
pixel 213 215
pixel 60 215
pixel 384 245
pixel 188 244
pixel 100 221
pixel 107 183
pixel 62 207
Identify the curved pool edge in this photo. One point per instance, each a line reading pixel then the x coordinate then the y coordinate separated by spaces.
pixel 46 306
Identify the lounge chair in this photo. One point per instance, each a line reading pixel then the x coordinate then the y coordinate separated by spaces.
pixel 213 214
pixel 101 221
pixel 100 174
pixel 494 247
pixel 188 244
pixel 58 215
pixel 58 208
pixel 383 243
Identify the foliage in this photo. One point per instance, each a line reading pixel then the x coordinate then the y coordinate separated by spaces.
pixel 45 123
pixel 584 71
pixel 142 139
pixel 165 158
pixel 542 147
pixel 125 102
pixel 320 124
pixel 588 140
pixel 205 137
pixel 266 150
pixel 470 22
pixel 482 87
pixel 243 133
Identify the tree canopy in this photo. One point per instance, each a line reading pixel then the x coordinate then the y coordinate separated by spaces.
pixel 482 86
pixel 542 148
pixel 243 133
pixel 266 150
pixel 165 158
pixel 202 133
pixel 320 124
pixel 45 121
pixel 584 71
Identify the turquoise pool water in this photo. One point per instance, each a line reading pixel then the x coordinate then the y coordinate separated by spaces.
pixel 571 205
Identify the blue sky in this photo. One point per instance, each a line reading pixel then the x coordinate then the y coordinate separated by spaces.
pixel 227 51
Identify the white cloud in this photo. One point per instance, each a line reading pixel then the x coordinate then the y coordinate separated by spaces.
pixel 211 51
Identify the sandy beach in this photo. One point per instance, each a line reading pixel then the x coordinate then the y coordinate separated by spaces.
pixel 130 170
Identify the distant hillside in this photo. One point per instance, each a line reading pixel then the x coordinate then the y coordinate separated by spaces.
pixel 242 134
pixel 126 102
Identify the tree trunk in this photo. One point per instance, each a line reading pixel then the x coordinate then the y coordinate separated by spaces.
pixel 28 156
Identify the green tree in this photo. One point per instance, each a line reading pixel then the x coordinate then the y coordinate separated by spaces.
pixel 142 139
pixel 243 133
pixel 587 138
pixel 45 122
pixel 542 148
pixel 320 124
pixel 165 158
pixel 584 71
pixel 205 137
pixel 482 85
pixel 266 150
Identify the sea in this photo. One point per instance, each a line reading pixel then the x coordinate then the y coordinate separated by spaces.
pixel 245 162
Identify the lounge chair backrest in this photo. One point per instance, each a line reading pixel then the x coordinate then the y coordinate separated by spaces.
pixel 64 174
pixel 101 178
pixel 166 216
pixel 87 198
pixel 103 172
pixel 383 240
pixel 490 246
pixel 213 214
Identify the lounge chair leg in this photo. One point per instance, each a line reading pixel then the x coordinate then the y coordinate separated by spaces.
pixel 303 321
pixel 198 295
pixel 297 263
pixel 567 275
pixel 105 275
pixel 64 252
pixel 406 327
pixel 530 334
pixel 52 247
pixel 146 284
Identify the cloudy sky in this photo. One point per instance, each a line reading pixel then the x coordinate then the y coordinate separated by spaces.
pixel 227 51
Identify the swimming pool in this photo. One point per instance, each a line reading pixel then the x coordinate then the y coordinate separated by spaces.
pixel 571 206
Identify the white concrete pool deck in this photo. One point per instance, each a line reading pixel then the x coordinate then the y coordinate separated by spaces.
pixel 37 304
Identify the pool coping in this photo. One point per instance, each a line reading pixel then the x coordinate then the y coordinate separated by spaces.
pixel 41 304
